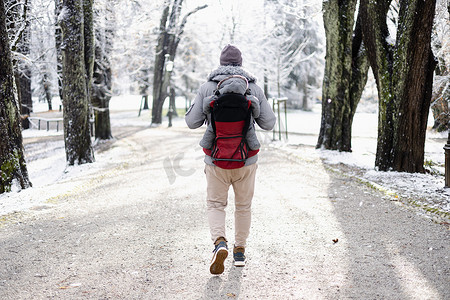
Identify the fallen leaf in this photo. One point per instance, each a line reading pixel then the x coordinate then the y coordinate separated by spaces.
pixel 335 241
pixel 231 295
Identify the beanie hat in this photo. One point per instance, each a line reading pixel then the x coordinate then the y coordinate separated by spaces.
pixel 230 56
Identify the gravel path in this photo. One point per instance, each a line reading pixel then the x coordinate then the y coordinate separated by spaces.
pixel 134 227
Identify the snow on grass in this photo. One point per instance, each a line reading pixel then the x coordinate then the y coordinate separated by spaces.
pixel 425 190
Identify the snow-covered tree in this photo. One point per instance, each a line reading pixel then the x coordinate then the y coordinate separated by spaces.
pixel 281 45
pixel 297 49
pixel 42 51
pixel 441 49
pixel 132 58
pixel 170 31
pixel 13 168
pixel 18 23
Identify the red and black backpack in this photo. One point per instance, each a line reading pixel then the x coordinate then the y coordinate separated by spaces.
pixel 230 120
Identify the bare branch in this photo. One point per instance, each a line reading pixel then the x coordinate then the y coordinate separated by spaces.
pixel 183 22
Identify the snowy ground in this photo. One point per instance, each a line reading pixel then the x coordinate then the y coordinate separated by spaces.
pixel 46 157
pixel 132 225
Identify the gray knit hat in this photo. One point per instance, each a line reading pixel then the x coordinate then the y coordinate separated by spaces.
pixel 230 56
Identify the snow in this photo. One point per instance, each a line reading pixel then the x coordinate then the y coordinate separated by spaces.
pixel 52 179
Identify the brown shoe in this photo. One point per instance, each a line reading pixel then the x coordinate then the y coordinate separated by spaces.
pixel 239 256
pixel 220 254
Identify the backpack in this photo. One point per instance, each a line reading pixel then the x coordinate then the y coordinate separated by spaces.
pixel 230 120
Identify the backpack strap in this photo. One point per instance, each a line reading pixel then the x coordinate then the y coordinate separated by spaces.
pixel 247 120
pixel 213 121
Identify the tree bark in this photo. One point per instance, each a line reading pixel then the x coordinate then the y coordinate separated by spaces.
pixel 380 55
pixel 404 76
pixel 159 93
pixel 89 43
pixel 23 72
pixel 346 68
pixel 58 43
pixel 75 98
pixel 101 95
pixel 102 80
pixel 414 66
pixel 12 162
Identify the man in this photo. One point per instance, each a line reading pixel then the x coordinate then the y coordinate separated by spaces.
pixel 219 179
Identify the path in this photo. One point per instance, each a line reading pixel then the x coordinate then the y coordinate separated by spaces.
pixel 134 227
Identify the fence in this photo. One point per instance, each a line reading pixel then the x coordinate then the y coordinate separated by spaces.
pixel 38 122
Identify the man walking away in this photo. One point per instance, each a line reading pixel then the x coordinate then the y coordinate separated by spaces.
pixel 231 154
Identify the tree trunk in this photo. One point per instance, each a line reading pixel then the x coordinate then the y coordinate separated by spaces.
pixel 172 103
pixel 89 44
pixel 58 43
pixel 414 66
pixel 26 102
pixel 24 76
pixel 404 76
pixel 380 55
pixel 346 68
pixel 48 94
pixel 75 98
pixel 439 103
pixel 144 85
pixel 145 102
pixel 12 162
pixel 101 95
pixel 102 80
pixel 159 93
pixel 304 88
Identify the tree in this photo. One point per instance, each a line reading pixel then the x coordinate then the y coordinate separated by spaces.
pixel 58 43
pixel 133 55
pixel 307 66
pixel 346 68
pixel 89 43
pixel 19 29
pixel 441 49
pixel 42 50
pixel 77 74
pixel 170 31
pixel 12 162
pixel 102 81
pixel 403 70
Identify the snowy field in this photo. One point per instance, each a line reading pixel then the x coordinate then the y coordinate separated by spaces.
pixel 46 160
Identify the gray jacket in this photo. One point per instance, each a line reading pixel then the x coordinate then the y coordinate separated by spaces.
pixel 198 113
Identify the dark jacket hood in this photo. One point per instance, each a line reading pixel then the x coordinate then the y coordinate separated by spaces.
pixel 224 71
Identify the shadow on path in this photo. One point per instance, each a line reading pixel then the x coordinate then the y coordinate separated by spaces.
pixel 217 288
pixel 390 250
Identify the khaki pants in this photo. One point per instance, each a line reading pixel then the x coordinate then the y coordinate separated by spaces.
pixel 218 184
